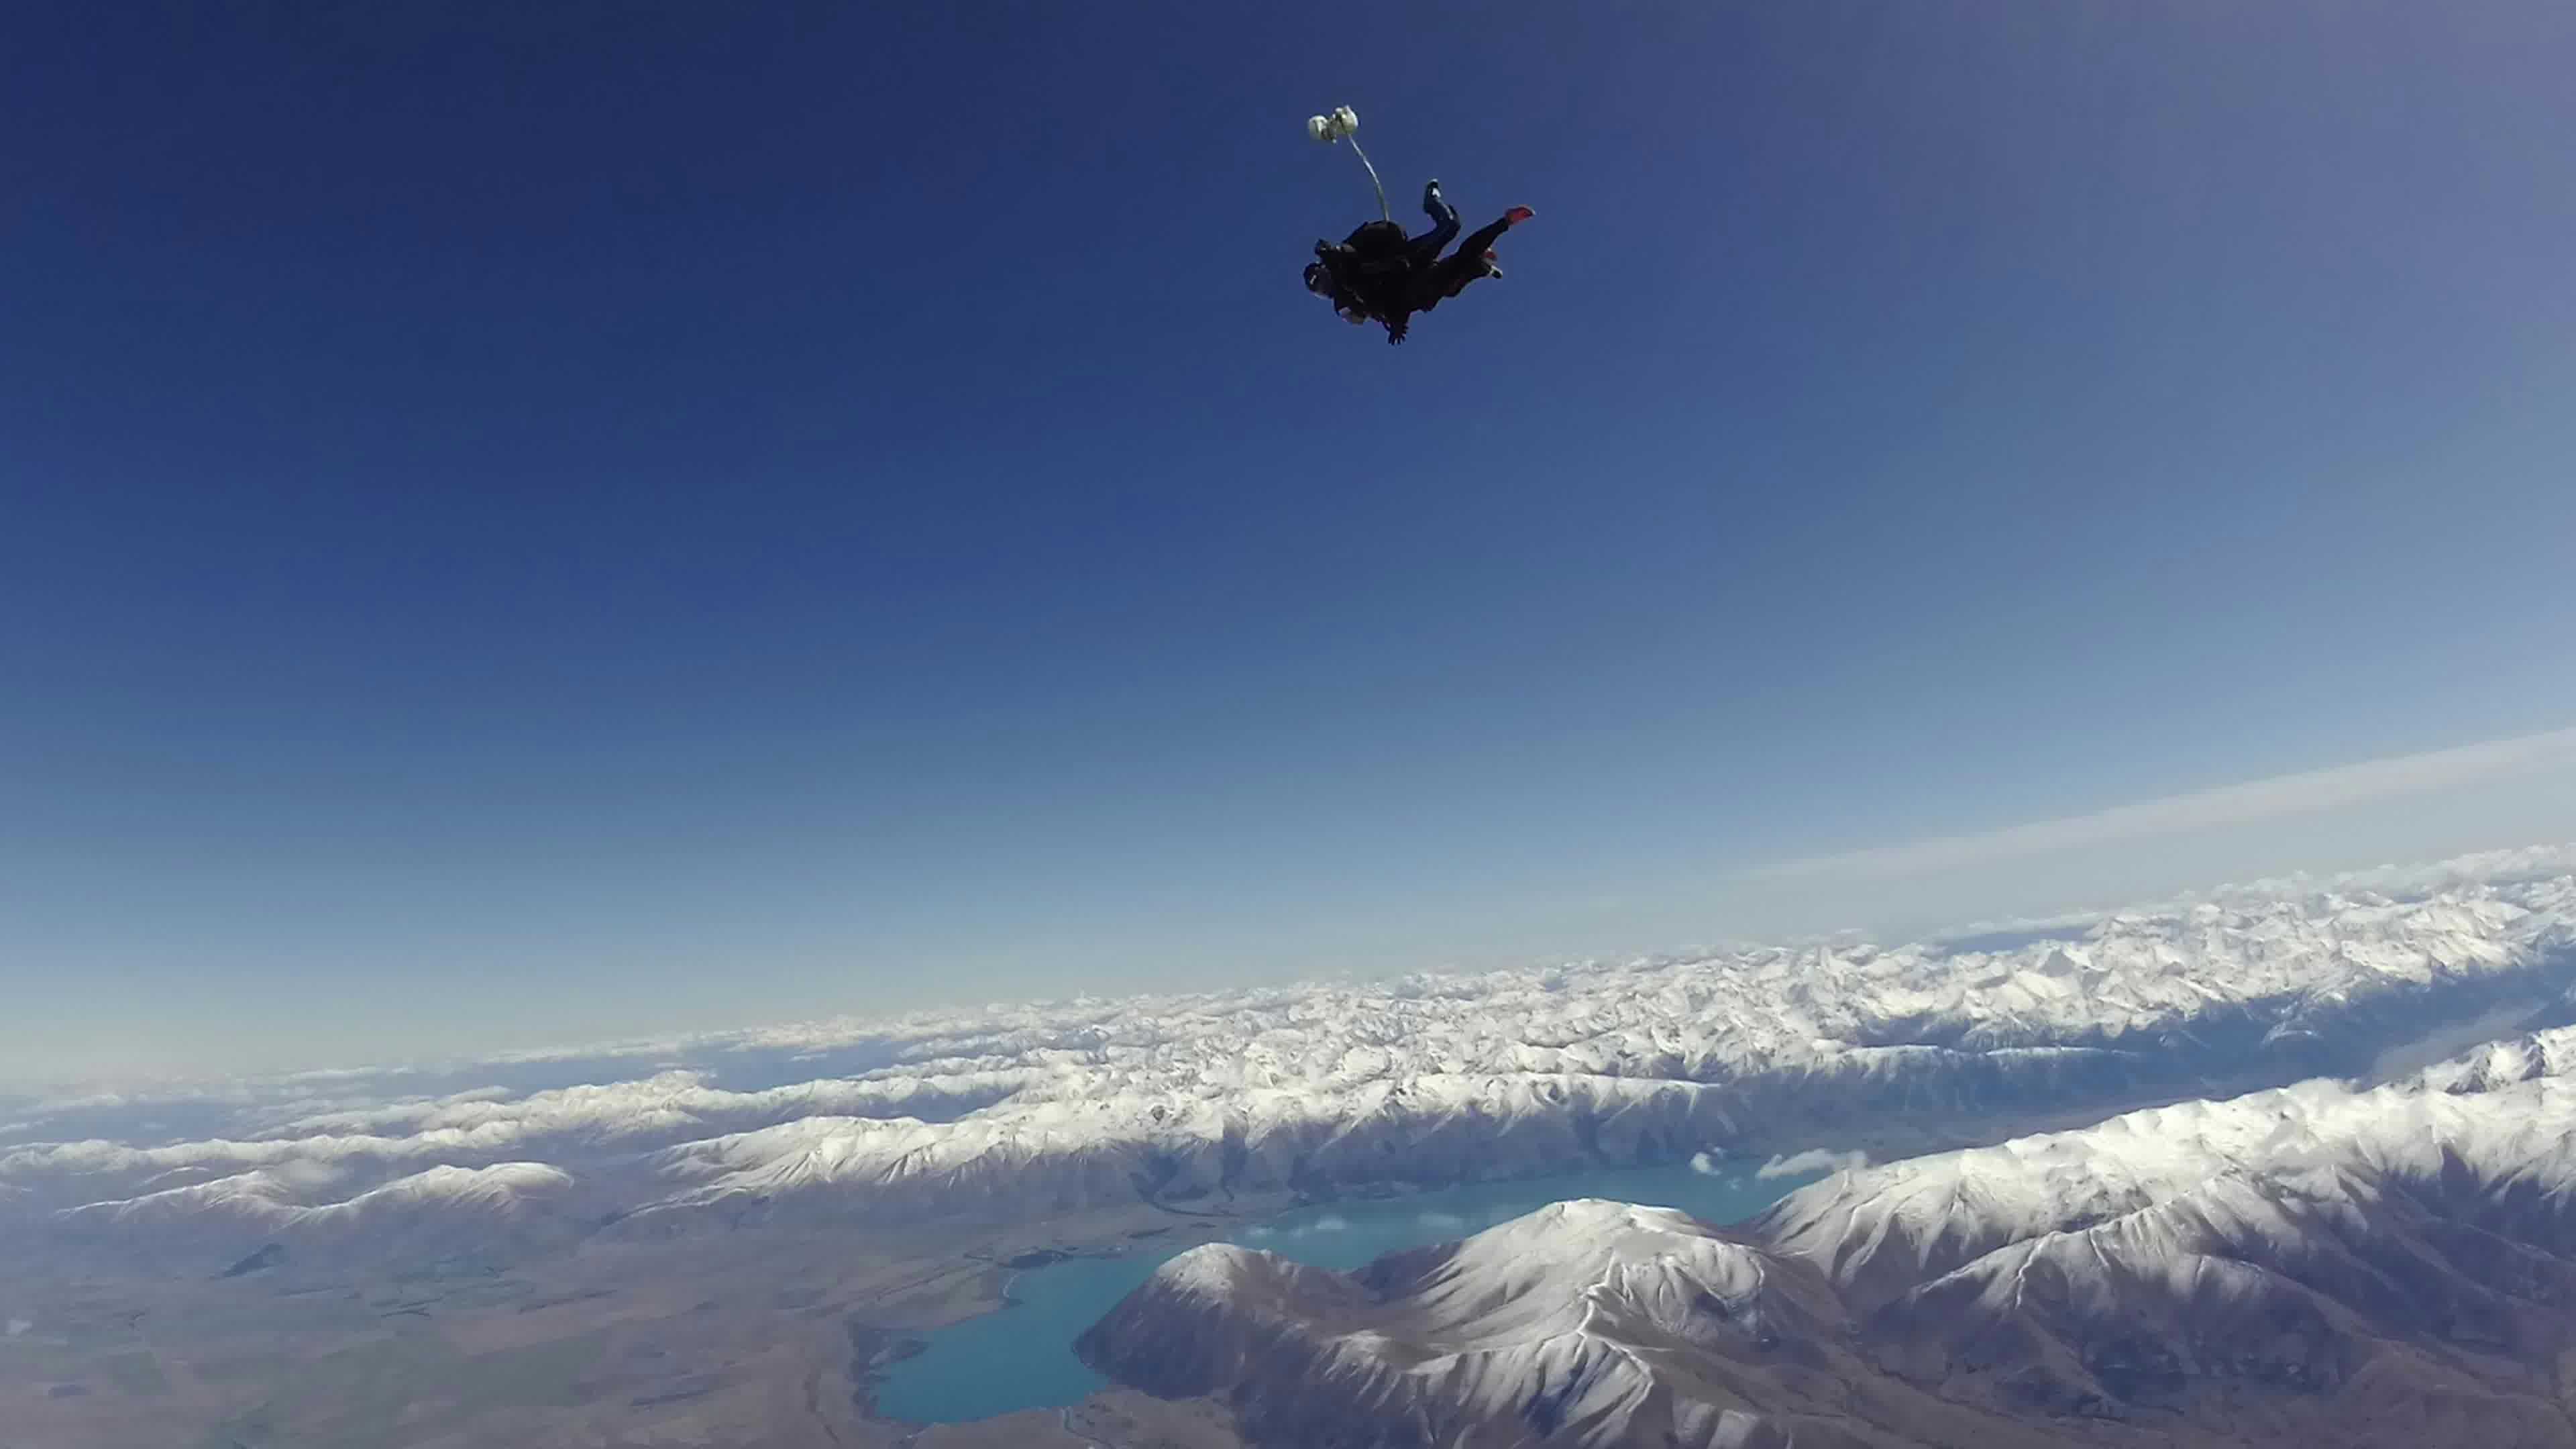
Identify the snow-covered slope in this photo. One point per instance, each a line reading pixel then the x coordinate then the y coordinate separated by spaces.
pixel 1585 1323
pixel 2386 1251
pixel 2394 1266
pixel 2500 1122
pixel 506 1208
pixel 1186 1101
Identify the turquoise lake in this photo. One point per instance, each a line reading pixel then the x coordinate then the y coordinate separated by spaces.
pixel 1021 1357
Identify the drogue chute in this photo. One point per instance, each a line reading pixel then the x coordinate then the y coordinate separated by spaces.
pixel 1343 124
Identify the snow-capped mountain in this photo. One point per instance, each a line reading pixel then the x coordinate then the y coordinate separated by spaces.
pixel 501 1210
pixel 1184 1102
pixel 1584 1323
pixel 2319 1264
pixel 2404 1255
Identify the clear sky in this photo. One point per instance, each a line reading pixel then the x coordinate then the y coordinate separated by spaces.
pixel 525 522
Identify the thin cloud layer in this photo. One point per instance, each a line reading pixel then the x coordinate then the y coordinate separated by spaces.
pixel 1814 1159
pixel 2254 800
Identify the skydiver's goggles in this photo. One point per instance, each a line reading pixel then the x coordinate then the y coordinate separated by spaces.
pixel 1319 279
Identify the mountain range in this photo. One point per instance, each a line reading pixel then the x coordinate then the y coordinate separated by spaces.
pixel 1186 1104
pixel 2321 1263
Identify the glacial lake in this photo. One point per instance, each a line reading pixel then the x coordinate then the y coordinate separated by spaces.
pixel 1021 1357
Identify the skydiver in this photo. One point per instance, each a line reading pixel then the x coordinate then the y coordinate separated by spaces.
pixel 1373 268
pixel 1378 273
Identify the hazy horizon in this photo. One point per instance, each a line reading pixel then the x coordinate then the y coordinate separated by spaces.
pixel 2171 882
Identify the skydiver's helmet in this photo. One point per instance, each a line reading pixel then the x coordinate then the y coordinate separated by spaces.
pixel 1319 279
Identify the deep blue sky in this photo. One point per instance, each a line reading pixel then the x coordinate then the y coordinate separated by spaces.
pixel 526 521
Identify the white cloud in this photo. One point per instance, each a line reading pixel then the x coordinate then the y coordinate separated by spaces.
pixel 1708 1164
pixel 2253 800
pixel 1798 1164
pixel 309 1174
pixel 1328 1223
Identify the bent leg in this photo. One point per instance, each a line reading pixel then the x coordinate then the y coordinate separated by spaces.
pixel 1426 248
